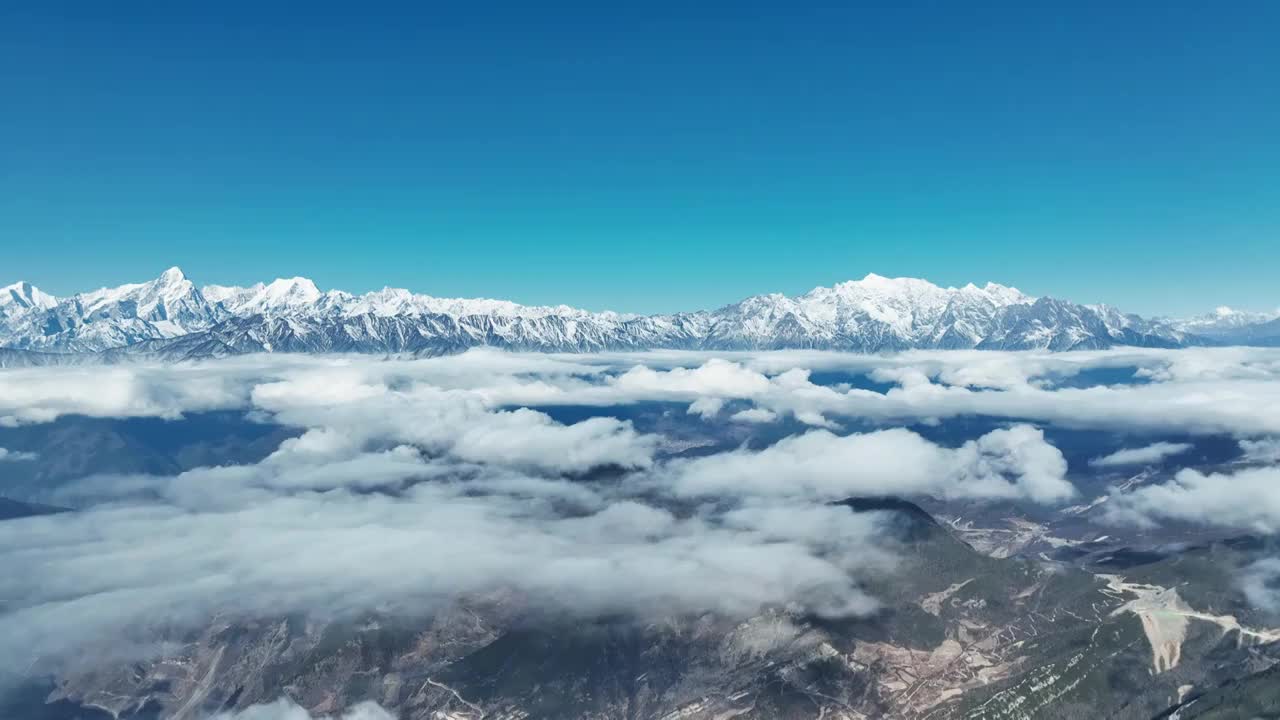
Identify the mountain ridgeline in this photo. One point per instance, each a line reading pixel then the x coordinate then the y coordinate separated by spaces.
pixel 170 318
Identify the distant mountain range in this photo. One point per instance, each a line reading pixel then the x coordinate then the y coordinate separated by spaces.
pixel 170 318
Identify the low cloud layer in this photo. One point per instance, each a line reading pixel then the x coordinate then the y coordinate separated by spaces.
pixel 1260 582
pixel 1011 463
pixel 1146 455
pixel 279 537
pixel 1246 498
pixel 285 709
pixel 1265 450
pixel 1197 391
pixel 411 483
pixel 7 455
pixel 402 495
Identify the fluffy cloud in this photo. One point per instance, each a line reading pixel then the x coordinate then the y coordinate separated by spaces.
pixel 754 415
pixel 1218 390
pixel 714 378
pixel 1010 463
pixel 1200 391
pixel 1260 582
pixel 300 532
pixel 527 438
pixel 7 455
pixel 1248 498
pixel 1263 450
pixel 44 394
pixel 285 709
pixel 1145 455
pixel 370 410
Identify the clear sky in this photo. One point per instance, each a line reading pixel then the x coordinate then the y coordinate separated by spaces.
pixel 647 156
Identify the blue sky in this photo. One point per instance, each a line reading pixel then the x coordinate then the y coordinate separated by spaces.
pixel 647 158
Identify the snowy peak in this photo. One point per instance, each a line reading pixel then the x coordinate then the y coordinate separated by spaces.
pixel 874 313
pixel 167 306
pixel 1230 326
pixel 172 276
pixel 169 317
pixel 291 296
pixel 155 298
pixel 280 294
pixel 1226 317
pixel 900 292
pixel 294 289
pixel 23 296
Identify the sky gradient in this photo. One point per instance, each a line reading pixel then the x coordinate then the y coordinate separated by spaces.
pixel 649 158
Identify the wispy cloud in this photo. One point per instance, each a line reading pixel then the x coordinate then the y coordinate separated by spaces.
pixel 285 709
pixel 7 455
pixel 1145 455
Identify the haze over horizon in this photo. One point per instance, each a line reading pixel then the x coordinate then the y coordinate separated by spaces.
pixel 647 159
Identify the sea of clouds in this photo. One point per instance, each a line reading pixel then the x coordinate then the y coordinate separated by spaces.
pixel 412 482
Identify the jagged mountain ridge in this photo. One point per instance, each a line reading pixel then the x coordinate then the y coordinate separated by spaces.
pixel 171 318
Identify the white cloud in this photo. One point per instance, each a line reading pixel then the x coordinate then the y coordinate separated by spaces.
pixel 1248 498
pixel 1008 463
pixel 43 394
pixel 1261 450
pixel 706 407
pixel 532 439
pixel 451 421
pixel 299 532
pixel 713 378
pixel 1260 583
pixel 286 709
pixel 413 482
pixel 1197 391
pixel 754 415
pixel 1217 390
pixel 1145 455
pixel 7 455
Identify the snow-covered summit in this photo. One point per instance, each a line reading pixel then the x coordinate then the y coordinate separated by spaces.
pixel 171 317
pixel 875 312
pixel 280 296
pixel 168 306
pixel 1231 326
pixel 299 295
pixel 22 296
pixel 1227 317
pixel 157 299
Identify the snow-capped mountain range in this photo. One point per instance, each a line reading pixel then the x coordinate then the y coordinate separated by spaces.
pixel 1233 327
pixel 171 318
